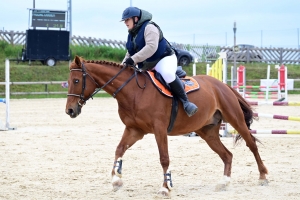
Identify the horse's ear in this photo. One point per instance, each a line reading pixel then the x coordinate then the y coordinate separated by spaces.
pixel 77 60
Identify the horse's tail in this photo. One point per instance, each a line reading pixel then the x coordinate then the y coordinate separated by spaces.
pixel 247 110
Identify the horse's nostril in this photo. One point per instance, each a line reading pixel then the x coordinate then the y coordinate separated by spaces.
pixel 70 111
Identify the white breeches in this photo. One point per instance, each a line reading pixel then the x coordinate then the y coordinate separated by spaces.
pixel 167 68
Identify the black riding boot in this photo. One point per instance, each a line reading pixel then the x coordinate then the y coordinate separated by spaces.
pixel 178 90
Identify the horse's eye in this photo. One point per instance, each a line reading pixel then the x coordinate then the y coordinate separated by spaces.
pixel 76 81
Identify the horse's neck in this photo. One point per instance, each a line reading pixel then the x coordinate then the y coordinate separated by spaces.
pixel 105 74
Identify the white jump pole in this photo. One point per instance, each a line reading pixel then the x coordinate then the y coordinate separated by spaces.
pixel 7 95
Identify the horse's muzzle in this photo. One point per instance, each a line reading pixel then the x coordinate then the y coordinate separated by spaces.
pixel 73 112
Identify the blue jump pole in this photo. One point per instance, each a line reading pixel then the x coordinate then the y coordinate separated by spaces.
pixel 2 101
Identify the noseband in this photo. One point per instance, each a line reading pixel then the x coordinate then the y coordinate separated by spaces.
pixel 84 74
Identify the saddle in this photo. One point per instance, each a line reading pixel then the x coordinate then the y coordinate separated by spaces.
pixel 189 84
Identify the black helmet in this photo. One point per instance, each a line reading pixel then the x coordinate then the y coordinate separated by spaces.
pixel 131 12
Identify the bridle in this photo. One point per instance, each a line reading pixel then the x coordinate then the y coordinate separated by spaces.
pixel 84 75
pixel 82 100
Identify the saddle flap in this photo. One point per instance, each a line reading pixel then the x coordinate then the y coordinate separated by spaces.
pixel 189 82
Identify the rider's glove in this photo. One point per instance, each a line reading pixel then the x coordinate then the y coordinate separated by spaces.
pixel 129 62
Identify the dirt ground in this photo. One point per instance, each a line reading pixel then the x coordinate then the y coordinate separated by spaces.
pixel 51 156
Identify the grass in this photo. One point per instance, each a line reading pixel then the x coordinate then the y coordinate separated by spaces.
pixel 37 72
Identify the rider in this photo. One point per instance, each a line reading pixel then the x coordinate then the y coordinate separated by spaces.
pixel 147 48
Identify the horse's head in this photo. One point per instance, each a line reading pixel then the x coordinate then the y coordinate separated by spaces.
pixel 81 87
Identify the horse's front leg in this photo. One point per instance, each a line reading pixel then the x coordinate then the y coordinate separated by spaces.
pixel 162 143
pixel 130 136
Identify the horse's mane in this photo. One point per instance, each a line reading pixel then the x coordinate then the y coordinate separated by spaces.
pixel 104 62
pixel 78 60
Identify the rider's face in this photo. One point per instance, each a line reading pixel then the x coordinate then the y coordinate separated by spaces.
pixel 129 23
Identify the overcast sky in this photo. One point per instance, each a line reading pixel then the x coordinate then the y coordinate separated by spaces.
pixel 259 22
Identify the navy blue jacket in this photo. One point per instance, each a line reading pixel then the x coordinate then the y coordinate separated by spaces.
pixel 134 45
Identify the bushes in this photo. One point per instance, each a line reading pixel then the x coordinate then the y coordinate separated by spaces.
pixel 9 51
pixel 98 53
pixel 88 52
pixel 3 44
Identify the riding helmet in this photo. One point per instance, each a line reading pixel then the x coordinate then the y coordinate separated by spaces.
pixel 131 12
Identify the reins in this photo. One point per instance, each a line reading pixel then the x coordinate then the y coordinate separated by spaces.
pixel 84 74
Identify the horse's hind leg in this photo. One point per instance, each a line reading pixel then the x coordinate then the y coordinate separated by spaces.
pixel 241 127
pixel 210 134
pixel 238 113
pixel 251 143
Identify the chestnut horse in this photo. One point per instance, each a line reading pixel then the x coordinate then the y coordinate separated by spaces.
pixel 143 109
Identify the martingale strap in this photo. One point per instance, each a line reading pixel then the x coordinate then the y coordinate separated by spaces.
pixel 125 83
pixel 131 77
pixel 113 78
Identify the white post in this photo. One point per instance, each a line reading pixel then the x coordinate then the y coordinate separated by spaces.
pixel 286 82
pixel 194 67
pixel 7 95
pixel 7 91
pixel 267 88
pixel 207 69
pixel 232 78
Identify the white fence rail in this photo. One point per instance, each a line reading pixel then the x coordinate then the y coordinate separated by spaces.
pixel 63 92
pixel 46 83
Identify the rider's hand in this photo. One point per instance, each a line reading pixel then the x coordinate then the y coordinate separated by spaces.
pixel 129 62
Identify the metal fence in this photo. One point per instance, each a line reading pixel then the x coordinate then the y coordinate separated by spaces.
pixel 266 55
pixel 203 53
pixel 13 37
pixel 78 40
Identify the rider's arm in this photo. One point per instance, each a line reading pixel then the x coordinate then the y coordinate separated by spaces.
pixel 127 55
pixel 151 36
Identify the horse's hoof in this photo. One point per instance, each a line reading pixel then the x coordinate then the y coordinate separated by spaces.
pixel 263 182
pixel 117 183
pixel 164 192
pixel 221 187
pixel 223 184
